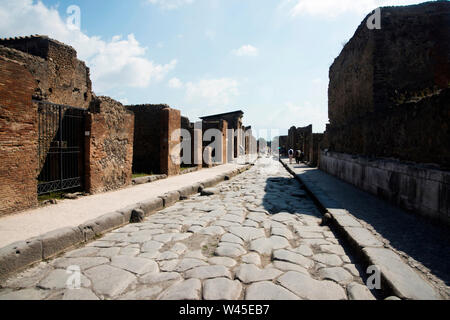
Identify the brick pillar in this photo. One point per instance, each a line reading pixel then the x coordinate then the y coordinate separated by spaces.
pixel 170 141
pixel 18 138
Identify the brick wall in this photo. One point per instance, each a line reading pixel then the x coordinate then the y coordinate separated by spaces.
pixel 109 147
pixel 301 139
pixel 222 126
pixel 18 138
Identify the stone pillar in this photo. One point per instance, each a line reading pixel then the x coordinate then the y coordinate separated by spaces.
pixel 224 128
pixel 170 141
pixel 18 138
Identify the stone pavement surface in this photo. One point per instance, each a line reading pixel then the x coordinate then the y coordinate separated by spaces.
pixel 258 236
pixel 71 213
pixel 425 245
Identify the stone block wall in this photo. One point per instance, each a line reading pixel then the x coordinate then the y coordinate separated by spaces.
pixel 315 149
pixel 109 146
pixel 388 88
pixel 18 138
pixel 418 188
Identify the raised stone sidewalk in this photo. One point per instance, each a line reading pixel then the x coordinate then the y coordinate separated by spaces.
pixel 31 236
pixel 402 280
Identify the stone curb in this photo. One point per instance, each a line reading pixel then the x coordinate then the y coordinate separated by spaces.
pixel 22 254
pixel 396 275
pixel 148 179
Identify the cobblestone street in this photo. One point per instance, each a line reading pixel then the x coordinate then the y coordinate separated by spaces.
pixel 257 236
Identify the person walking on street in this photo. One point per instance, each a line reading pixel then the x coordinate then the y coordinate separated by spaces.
pixel 298 155
pixel 291 155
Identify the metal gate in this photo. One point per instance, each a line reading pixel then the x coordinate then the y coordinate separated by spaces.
pixel 61 144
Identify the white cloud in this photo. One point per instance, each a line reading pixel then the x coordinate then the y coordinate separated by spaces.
pixel 299 115
pixel 333 8
pixel 246 50
pixel 175 83
pixel 170 4
pixel 217 92
pixel 120 62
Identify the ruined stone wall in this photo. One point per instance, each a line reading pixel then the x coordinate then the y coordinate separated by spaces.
pixel 418 188
pixel 109 147
pixel 315 149
pixel 222 126
pixel 60 77
pixel 301 139
pixel 388 92
pixel 170 141
pixel 18 138
pixel 415 131
pixel 147 138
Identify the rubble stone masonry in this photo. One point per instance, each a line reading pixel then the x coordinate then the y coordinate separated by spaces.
pixel 109 146
pixel 18 138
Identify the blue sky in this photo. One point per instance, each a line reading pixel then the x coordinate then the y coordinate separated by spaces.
pixel 269 58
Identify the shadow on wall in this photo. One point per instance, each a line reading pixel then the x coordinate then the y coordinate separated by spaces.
pixel 286 195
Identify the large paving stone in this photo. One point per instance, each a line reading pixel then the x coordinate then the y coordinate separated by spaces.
pixel 228 250
pixel 145 293
pixel 25 294
pixel 249 273
pixel 229 237
pixel 247 233
pixel 328 259
pixel 268 291
pixel 212 231
pixel 333 248
pixel 221 289
pixel 82 294
pixel 189 263
pixel 109 281
pixel 252 258
pixel 151 246
pixel 337 274
pixel 287 266
pixel 282 232
pixel 223 261
pixel 404 281
pixel 265 246
pixel 57 279
pixel 187 290
pixel 208 272
pixel 345 220
pixel 358 291
pixel 289 256
pixel 134 264
pixel 307 288
pixel 162 277
pixel 84 262
pixel 304 250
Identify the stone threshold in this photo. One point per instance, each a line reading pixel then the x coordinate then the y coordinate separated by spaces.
pixel 396 275
pixel 22 254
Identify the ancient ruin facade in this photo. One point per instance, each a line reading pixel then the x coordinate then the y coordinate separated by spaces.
pixel 44 87
pixel 155 139
pixel 301 138
pixel 388 109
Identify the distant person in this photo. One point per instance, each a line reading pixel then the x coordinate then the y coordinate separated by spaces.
pixel 298 155
pixel 291 155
